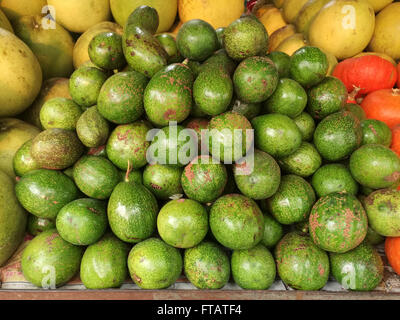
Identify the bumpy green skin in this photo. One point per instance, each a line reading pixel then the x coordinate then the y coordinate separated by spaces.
pixel 194 66
pixel 273 232
pixel 338 222
pixel 253 269
pixel 23 161
pixel 308 66
pixel 104 263
pixel 182 223
pixel 38 225
pixel 221 136
pixel 85 84
pixel 375 166
pixel 276 134
pixel 97 151
pixel 255 79
pixel 203 179
pixel 168 95
pixel 169 44
pixel 154 264
pixel 306 125
pixel 360 269
pixel 105 51
pixel 127 143
pixel 282 63
pixel 334 177
pixel 144 17
pixel 133 176
pixel 300 263
pixel 293 201
pixel 60 113
pixel 327 97
pixel 213 91
pixel 303 162
pixel 44 192
pixel 383 210
pixel 374 237
pixel 82 221
pixel 249 110
pixel 236 222
pixel 337 136
pixel 162 180
pixel 56 149
pixel 132 212
pixel 289 99
pixel 376 131
pixel 207 266
pixel 220 36
pixel 92 129
pixel 219 59
pixel 198 124
pixel 48 255
pixel 259 179
pixel 197 40
pixel 245 37
pixel 355 109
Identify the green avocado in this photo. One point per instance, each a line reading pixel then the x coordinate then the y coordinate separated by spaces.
pixel 198 125
pixel 282 63
pixel 355 109
pixel 60 113
pixel 23 161
pixel 92 129
pixel 220 60
pixel 220 35
pixel 135 176
pixel 249 110
pixel 38 225
pixel 306 125
pixel 374 237
pixel 273 232
pixel 377 132
pixel 162 180
pixel 144 17
pixel 169 44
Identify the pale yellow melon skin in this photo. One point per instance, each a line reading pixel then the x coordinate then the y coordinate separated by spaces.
pixel 21 75
pixel 291 44
pixel 4 23
pixel 291 9
pixel 278 3
pixel 378 5
pixel 18 8
pixel 343 27
pixel 79 15
pixel 271 19
pixel 280 35
pixel 307 13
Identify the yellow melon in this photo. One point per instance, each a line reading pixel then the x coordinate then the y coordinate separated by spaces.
pixel 378 5
pixel 307 13
pixel 272 19
pixel 280 35
pixel 291 44
pixel 4 23
pixel 291 9
pixel 14 9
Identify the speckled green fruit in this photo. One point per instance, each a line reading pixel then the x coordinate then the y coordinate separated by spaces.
pixel 182 223
pixel 293 200
pixel 49 261
pixel 121 97
pixel 168 95
pixel 255 79
pixel 273 232
pixel 375 166
pixel 207 266
pixel 169 44
pixel 249 110
pixel 144 17
pixel 97 151
pixel 105 51
pixel 82 221
pixel 85 84
pixel 360 269
pixel 308 66
pixel 300 263
pixel 44 192
pixel 220 60
pixel 229 137
pixel 338 222
pixel 92 129
pixel 153 264
pixel 132 212
pixel 162 180
pixel 253 269
pixel 289 99
pixel 60 113
pixel 245 37
pixel 337 136
pixel 38 225
pixel 355 109
pixel 374 237
pixel 56 149
pixel 376 131
pixel 213 91
pixel 198 125
pixel 306 125
pixel 135 176
pixel 220 36
pixel 383 210
pixel 258 178
pixel 276 134
pixel 303 162
pixel 104 263
pixel 197 40
pixel 194 66
pixel 23 161
pixel 127 144
pixel 236 222
pixel 327 97
pixel 282 63
pixel 204 179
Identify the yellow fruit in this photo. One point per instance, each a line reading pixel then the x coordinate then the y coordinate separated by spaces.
pixel 78 15
pixel 18 8
pixel 378 5
pixel 307 13
pixel 271 19
pixel 291 44
pixel 4 23
pixel 291 9
pixel 278 3
pixel 166 9
pixel 386 38
pixel 379 54
pixel 280 35
pixel 332 62
pixel 21 75
pixel 217 13
pixel 80 52
pixel 343 27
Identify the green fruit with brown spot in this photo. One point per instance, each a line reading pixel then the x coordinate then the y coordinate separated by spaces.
pixel 249 110
pixel 377 132
pixel 23 161
pixel 38 225
pixel 169 44
pixel 60 113
pixel 92 129
pixel 162 180
pixel 355 109
pixel 144 17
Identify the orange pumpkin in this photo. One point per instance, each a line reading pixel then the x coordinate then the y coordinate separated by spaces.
pixel 398 74
pixel 396 139
pixel 392 250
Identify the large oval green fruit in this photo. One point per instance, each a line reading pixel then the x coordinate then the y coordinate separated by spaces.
pixel 168 42
pixel 249 110
pixel 306 125
pixel 60 113
pixel 300 263
pixel 282 62
pixel 377 132
pixel 92 129
pixel 219 60
pixel 162 180
pixel 338 222
pixel 273 232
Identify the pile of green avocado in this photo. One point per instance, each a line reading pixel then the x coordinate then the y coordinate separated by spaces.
pixel 320 194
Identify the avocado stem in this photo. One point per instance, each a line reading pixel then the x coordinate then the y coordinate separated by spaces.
pixel 128 171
